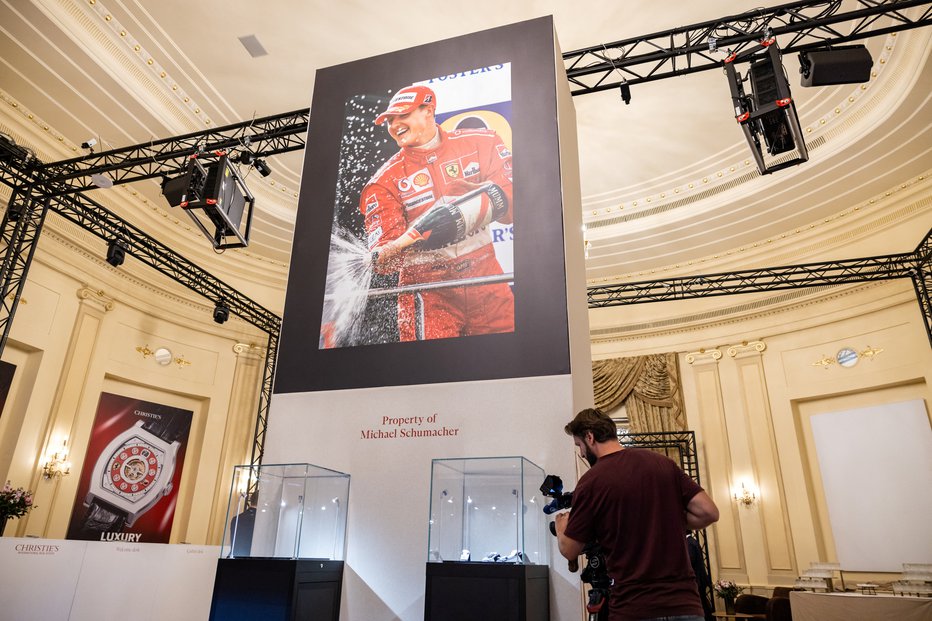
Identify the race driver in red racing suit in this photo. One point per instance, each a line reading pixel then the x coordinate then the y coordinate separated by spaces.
pixel 467 172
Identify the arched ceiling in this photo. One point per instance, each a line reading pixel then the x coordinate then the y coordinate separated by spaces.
pixel 669 186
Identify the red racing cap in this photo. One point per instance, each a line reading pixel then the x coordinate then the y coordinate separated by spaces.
pixel 406 100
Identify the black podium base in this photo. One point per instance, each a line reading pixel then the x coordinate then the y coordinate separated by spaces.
pixel 274 589
pixel 487 591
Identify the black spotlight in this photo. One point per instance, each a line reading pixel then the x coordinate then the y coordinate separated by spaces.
pixel 221 313
pixel 262 167
pixel 116 253
pixel 625 89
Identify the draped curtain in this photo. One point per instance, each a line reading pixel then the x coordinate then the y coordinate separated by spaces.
pixel 649 388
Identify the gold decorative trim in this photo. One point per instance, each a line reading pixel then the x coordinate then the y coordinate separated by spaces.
pixel 746 348
pixel 145 351
pixel 13 295
pixel 704 356
pixel 86 292
pixel 249 350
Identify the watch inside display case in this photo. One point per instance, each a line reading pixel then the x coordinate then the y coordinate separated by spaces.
pixel 487 510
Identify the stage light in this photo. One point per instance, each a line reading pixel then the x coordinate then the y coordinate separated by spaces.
pixel 625 92
pixel 116 253
pixel 262 167
pixel 248 158
pixel 221 313
pixel 767 115
pixel 216 199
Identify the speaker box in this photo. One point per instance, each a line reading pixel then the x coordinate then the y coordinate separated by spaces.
pixel 840 65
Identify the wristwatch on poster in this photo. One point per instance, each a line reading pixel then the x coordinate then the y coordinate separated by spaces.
pixel 133 473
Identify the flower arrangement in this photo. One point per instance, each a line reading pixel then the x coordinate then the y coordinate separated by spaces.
pixel 14 503
pixel 727 590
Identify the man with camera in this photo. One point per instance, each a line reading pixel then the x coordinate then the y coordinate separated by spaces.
pixel 638 505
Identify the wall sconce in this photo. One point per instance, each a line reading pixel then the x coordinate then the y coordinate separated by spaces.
pixel 56 464
pixel 744 496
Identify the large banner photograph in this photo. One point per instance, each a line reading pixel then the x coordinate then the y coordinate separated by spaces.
pixel 421 244
pixel 132 468
pixel 431 183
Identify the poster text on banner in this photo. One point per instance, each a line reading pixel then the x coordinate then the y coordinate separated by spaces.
pixel 395 427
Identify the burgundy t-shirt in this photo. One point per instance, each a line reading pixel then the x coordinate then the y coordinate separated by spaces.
pixel 633 503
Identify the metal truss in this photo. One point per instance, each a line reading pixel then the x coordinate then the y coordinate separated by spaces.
pixel 690 49
pixel 266 136
pixel 922 280
pixel 19 236
pixel 682 444
pixel 33 196
pixel 102 222
pixel 265 397
pixel 916 265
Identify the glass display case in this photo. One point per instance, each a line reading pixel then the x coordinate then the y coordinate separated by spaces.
pixel 487 509
pixel 292 511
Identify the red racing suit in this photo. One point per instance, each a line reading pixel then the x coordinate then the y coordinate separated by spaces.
pixel 406 186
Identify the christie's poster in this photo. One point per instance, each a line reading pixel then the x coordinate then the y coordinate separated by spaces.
pixel 129 483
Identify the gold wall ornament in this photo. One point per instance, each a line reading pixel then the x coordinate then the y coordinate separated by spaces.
pixel 13 295
pixel 847 357
pixel 163 356
pixel 870 352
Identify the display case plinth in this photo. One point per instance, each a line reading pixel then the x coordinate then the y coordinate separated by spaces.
pixel 274 589
pixel 488 591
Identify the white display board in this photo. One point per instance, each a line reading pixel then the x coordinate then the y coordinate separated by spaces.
pixel 64 580
pixel 876 467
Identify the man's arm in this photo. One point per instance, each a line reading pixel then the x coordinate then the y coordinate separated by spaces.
pixel 701 512
pixel 569 548
pixel 385 222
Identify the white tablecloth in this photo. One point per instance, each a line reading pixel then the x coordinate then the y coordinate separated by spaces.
pixel 855 607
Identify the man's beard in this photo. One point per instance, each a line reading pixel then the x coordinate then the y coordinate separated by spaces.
pixel 591 457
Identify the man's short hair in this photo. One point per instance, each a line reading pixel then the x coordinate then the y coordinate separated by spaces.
pixel 592 419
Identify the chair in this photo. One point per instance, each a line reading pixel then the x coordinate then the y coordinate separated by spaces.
pixel 751 604
pixel 778 606
pixel 778 609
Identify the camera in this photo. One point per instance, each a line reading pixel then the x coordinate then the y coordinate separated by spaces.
pixel 552 487
pixel 595 573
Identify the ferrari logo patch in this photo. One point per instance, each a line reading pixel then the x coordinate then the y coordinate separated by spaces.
pixel 452 169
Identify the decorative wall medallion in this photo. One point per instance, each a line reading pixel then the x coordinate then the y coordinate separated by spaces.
pixel 847 357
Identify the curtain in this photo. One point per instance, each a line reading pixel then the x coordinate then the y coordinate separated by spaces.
pixel 648 386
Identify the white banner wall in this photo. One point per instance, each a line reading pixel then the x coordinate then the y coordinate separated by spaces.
pixel 389 490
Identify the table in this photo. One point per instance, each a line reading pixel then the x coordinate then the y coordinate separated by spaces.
pixel 855 607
